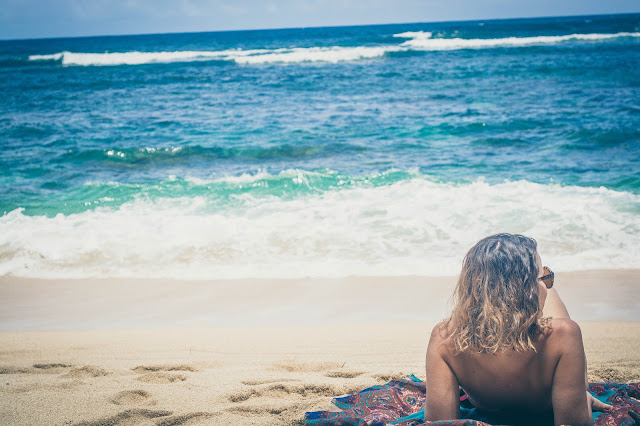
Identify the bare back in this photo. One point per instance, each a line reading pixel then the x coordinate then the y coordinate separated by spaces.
pixel 531 384
pixel 509 381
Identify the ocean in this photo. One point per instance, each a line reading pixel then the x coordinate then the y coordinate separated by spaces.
pixel 320 152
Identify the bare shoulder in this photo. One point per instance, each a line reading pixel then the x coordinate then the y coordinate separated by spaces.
pixel 564 335
pixel 563 328
pixel 440 339
pixel 441 331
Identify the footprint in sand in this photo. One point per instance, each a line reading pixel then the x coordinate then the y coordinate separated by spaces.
pixel 331 369
pixel 143 416
pixel 264 382
pixel 344 374
pixel 296 398
pixel 52 365
pixel 56 387
pixel 187 419
pixel 128 417
pixel 261 400
pixel 10 369
pixel 160 377
pixel 86 372
pixel 280 390
pixel 131 397
pixel 160 374
pixel 52 368
pixel 386 377
pixel 165 367
pixel 279 413
pixel 303 367
pixel 260 410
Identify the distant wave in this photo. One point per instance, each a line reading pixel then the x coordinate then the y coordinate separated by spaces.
pixel 418 40
pixel 316 54
pixel 423 41
pixel 414 34
pixel 257 56
pixel 138 58
pixel 333 226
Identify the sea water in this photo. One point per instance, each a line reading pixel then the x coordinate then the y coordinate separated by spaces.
pixel 369 150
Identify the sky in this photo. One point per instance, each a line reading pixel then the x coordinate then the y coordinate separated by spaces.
pixel 72 18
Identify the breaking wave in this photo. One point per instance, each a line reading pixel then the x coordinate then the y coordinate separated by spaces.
pixel 256 56
pixel 418 40
pixel 423 41
pixel 413 226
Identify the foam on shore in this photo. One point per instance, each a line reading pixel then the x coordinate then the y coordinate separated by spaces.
pixel 299 224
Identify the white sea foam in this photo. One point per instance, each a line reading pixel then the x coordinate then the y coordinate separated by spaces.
pixel 317 54
pixel 422 42
pixel 418 40
pixel 257 56
pixel 414 34
pixel 52 57
pixel 415 226
pixel 138 58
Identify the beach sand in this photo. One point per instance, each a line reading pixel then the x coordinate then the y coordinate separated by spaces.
pixel 248 351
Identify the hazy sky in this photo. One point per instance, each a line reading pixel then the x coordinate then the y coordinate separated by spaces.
pixel 60 18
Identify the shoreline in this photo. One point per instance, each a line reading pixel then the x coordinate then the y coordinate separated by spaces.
pixel 84 304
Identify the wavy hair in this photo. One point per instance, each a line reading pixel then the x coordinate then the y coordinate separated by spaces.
pixel 496 299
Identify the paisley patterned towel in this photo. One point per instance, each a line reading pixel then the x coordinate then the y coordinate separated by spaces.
pixel 401 402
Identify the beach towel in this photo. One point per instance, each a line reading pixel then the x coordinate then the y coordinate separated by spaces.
pixel 401 402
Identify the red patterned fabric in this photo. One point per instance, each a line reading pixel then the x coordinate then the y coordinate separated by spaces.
pixel 401 402
pixel 623 397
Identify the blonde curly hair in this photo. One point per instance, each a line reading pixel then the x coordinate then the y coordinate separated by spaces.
pixel 496 299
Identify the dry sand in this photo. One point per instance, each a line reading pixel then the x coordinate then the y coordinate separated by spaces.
pixel 251 351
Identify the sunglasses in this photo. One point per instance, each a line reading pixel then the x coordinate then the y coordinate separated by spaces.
pixel 547 278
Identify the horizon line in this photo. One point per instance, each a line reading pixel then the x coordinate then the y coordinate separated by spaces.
pixel 316 27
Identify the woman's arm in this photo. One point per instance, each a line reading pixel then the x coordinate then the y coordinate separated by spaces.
pixel 554 307
pixel 569 387
pixel 443 393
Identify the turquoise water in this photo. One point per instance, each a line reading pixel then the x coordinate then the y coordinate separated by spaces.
pixel 383 149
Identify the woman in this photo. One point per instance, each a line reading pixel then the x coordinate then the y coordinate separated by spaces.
pixel 509 343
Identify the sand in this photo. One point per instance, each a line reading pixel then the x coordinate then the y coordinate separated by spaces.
pixel 248 351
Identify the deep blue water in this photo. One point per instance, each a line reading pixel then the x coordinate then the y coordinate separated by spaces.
pixel 296 147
